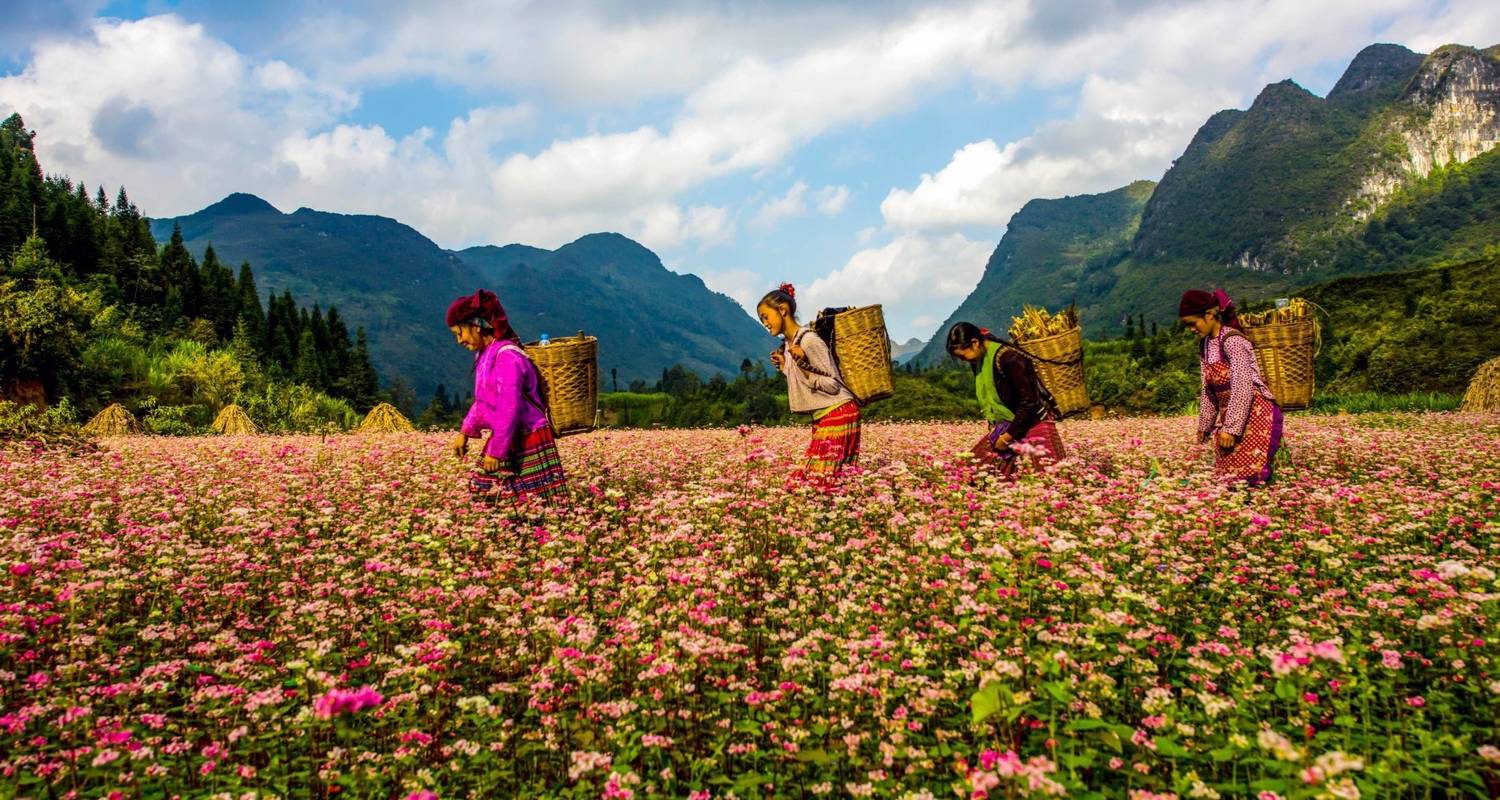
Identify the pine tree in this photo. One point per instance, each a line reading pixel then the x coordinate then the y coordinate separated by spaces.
pixel 340 349
pixel 243 346
pixel 220 296
pixel 438 411
pixel 309 370
pixel 363 383
pixel 101 201
pixel 180 272
pixel 248 307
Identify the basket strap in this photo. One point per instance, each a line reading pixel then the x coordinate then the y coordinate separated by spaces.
pixel 1034 357
pixel 808 367
pixel 542 407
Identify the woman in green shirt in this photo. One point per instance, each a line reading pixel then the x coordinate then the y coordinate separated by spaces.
pixel 1020 410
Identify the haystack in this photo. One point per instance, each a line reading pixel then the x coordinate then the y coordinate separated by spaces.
pixel 113 421
pixel 233 421
pixel 1484 389
pixel 384 418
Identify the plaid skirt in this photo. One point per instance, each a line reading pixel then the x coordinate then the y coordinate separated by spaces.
pixel 1043 436
pixel 1253 457
pixel 835 442
pixel 535 472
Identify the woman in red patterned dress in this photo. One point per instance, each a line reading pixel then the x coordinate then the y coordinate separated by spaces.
pixel 1235 408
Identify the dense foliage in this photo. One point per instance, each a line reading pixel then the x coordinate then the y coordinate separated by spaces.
pixel 92 310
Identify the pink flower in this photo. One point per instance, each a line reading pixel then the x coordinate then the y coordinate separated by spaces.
pixel 342 701
pixel 422 794
pixel 20 570
pixel 1416 701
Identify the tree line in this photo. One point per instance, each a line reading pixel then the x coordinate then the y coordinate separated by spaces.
pixel 94 311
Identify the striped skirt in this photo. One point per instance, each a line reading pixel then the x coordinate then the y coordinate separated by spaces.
pixel 835 442
pixel 535 472
pixel 1044 441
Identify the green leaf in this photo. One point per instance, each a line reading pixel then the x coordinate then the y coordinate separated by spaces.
pixel 985 702
pixel 814 756
pixel 1111 740
pixel 1075 760
pixel 1059 691
pixel 1086 724
pixel 1222 754
pixel 1286 690
pixel 747 726
pixel 748 783
pixel 1168 746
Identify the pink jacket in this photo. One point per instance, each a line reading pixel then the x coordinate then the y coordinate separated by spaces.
pixel 1244 383
pixel 507 399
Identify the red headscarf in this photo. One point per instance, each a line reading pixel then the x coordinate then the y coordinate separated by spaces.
pixel 1197 301
pixel 482 305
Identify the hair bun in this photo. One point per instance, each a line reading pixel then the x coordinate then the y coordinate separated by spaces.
pixel 791 291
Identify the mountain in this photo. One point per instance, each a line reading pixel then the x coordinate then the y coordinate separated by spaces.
pixel 1053 253
pixel 901 353
pixel 1396 168
pixel 396 283
pixel 1279 187
pixel 646 316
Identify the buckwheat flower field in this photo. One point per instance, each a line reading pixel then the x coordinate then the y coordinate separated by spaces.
pixel 298 617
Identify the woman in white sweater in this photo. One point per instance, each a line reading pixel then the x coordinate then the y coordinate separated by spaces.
pixel 813 385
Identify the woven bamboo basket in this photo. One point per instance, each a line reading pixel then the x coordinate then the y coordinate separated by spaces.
pixel 864 352
pixel 1285 353
pixel 1065 380
pixel 569 367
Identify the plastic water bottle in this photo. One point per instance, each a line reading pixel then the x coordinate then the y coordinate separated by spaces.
pixel 543 340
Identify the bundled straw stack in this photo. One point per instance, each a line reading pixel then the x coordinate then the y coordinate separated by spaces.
pixel 113 421
pixel 1058 338
pixel 233 421
pixel 1286 342
pixel 384 418
pixel 1484 389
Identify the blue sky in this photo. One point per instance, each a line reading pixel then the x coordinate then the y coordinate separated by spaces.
pixel 869 152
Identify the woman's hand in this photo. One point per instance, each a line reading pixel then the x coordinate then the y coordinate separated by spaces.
pixel 796 351
pixel 1002 442
pixel 490 464
pixel 459 446
pixel 778 359
pixel 1226 440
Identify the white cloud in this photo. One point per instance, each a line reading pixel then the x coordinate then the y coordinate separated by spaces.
pixel 1145 85
pixel 583 53
pixel 791 204
pixel 913 274
pixel 182 118
pixel 828 201
pixel 160 106
pixel 831 200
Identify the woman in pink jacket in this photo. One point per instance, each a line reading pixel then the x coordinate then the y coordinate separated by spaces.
pixel 520 458
pixel 1236 410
